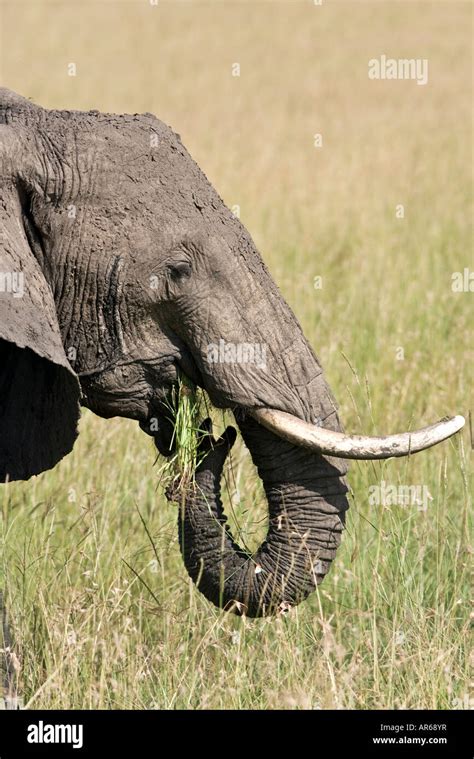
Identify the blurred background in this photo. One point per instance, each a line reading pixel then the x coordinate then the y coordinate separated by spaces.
pixel 365 184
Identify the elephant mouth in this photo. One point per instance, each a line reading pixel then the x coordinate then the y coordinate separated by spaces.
pixel 160 426
pixel 155 412
pixel 321 440
pixel 160 421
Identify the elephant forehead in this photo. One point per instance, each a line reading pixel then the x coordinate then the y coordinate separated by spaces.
pixel 104 157
pixel 125 174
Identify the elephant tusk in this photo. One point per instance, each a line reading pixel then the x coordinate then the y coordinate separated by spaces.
pixel 344 446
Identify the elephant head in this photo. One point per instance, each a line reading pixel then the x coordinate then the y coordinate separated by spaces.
pixel 120 269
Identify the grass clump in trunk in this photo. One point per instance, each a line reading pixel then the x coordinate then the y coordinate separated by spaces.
pixel 186 408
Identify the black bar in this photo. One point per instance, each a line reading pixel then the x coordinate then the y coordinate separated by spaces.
pixel 122 733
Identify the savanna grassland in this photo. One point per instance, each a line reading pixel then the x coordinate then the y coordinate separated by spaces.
pixel 102 612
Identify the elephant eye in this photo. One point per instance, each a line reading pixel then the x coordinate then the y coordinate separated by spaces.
pixel 179 270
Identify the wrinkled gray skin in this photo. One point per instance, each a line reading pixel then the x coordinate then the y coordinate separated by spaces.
pixel 132 266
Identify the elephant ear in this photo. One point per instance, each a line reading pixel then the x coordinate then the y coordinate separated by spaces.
pixel 39 392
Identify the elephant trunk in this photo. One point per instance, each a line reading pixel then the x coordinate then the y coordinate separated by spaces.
pixel 306 495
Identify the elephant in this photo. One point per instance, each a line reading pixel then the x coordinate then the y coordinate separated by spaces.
pixel 121 271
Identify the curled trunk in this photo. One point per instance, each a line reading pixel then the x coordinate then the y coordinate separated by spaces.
pixel 306 495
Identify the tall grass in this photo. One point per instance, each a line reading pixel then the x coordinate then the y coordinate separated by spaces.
pixel 102 611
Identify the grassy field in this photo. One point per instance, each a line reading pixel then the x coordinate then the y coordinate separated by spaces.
pixel 102 612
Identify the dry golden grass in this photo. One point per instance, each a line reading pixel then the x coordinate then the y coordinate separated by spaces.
pixel 101 617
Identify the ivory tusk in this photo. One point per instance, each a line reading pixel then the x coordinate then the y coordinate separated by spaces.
pixel 344 446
